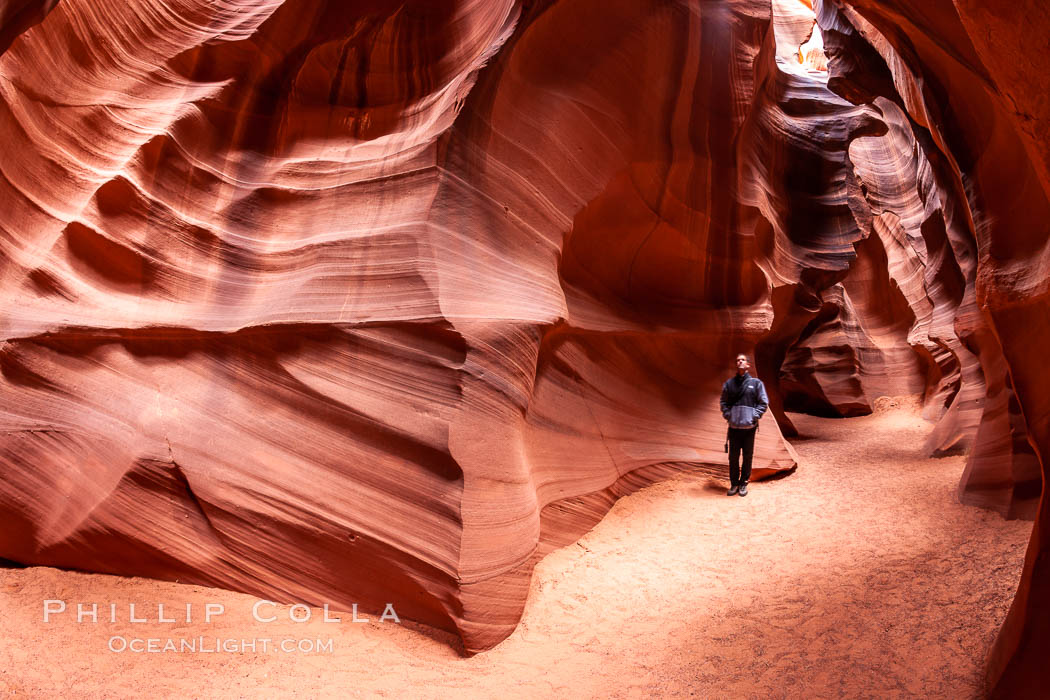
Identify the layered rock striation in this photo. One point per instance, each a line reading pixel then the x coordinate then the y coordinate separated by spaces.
pixel 379 302
pixel 968 79
pixel 302 301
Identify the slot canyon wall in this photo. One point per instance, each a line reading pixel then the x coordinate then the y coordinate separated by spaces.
pixel 381 301
pixel 972 77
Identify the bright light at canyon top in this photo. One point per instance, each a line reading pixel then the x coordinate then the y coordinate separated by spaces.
pixel 800 46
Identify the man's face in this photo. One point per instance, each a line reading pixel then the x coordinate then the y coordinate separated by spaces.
pixel 742 365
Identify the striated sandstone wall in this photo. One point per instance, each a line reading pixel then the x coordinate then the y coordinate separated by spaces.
pixel 380 301
pixel 972 78
pixel 299 300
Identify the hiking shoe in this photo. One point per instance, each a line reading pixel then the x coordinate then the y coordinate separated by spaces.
pixel 743 489
pixel 733 490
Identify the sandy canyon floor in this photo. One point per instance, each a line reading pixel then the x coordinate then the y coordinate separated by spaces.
pixel 858 575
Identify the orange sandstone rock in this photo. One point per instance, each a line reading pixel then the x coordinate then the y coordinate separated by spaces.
pixel 380 301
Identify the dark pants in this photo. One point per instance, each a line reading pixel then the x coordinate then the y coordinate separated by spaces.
pixel 740 439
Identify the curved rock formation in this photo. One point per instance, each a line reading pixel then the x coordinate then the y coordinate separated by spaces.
pixel 378 302
pixel 300 301
pixel 969 80
pixel 16 16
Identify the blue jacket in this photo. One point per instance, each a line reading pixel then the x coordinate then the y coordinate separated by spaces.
pixel 743 401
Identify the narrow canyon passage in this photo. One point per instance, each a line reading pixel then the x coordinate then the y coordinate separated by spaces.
pixel 859 574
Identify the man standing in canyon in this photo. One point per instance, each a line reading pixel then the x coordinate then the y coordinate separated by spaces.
pixel 743 402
